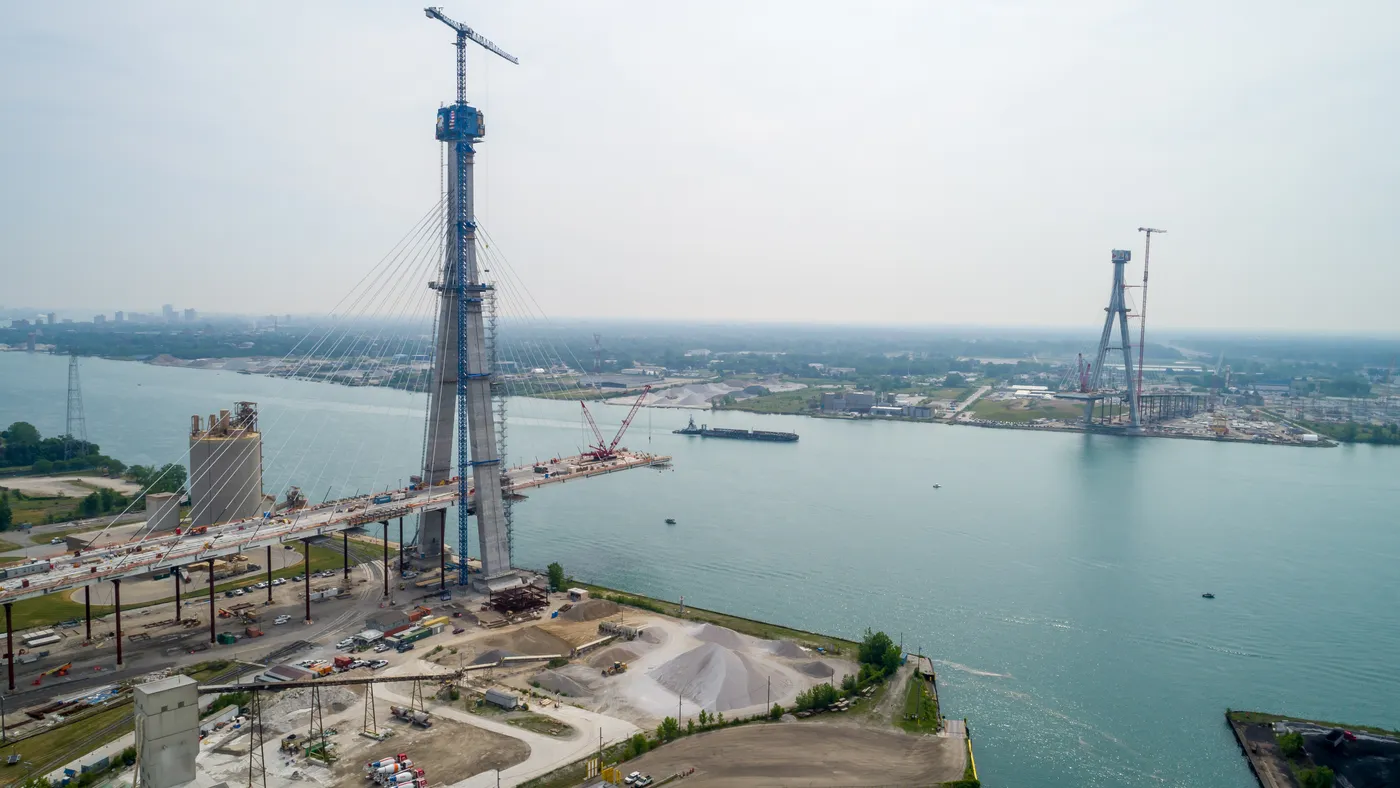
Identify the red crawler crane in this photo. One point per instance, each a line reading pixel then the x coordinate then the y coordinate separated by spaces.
pixel 600 452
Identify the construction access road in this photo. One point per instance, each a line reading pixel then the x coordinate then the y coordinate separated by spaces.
pixel 810 754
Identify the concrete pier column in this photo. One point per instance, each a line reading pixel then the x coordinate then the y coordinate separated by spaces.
pixel 306 575
pixel 212 637
pixel 10 646
pixel 269 574
pixel 442 562
pixel 345 550
pixel 117 601
pixel 386 559
pixel 401 553
pixel 87 609
pixel 175 573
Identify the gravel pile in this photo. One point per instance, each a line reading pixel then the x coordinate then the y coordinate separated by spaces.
pixel 493 656
pixel 608 656
pixel 817 670
pixel 720 636
pixel 555 681
pixel 787 649
pixel 591 610
pixel 719 678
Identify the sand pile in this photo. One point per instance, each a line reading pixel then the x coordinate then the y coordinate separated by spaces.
pixel 493 656
pixel 564 684
pixel 591 610
pixel 608 656
pixel 787 649
pixel 655 635
pixel 719 678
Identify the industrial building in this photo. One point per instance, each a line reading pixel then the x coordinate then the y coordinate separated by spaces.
pixel 226 466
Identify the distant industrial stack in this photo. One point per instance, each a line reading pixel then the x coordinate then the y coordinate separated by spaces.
pixel 226 466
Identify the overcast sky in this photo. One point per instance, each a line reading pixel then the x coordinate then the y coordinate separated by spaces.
pixel 924 162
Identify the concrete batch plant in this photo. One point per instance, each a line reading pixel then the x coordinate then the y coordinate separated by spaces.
pixel 226 466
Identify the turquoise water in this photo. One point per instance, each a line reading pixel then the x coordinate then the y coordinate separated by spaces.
pixel 1057 577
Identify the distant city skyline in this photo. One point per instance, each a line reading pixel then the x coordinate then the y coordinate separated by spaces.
pixel 908 163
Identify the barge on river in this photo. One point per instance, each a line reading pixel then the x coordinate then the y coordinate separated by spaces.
pixel 706 431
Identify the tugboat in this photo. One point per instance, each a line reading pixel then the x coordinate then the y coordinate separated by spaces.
pixel 1208 595
pixel 670 521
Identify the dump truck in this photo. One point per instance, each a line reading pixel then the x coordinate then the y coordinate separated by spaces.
pixel 615 668
pixel 419 718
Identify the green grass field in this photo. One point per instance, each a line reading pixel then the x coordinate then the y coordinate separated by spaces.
pixel 1252 717
pixel 38 510
pixel 788 402
pixel 52 749
pixel 47 610
pixel 920 712
pixel 1017 412
pixel 748 626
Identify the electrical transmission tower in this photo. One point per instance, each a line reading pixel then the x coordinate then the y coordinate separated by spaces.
pixel 75 439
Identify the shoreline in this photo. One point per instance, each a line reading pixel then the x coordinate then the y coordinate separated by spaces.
pixel 1323 442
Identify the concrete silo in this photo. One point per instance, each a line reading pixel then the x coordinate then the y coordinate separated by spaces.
pixel 226 466
pixel 162 512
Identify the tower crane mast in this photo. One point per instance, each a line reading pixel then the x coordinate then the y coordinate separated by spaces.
pixel 463 298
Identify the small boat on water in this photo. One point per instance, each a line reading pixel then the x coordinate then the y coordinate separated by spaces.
pixel 937 486
pixel 1208 595
pixel 670 521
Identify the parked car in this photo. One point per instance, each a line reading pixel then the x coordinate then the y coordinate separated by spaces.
pixel 238 592
pixel 279 581
pixel 282 619
pixel 381 648
pixel 378 663
pixel 643 781
pixel 288 547
pixel 229 594
pixel 298 578
pixel 458 631
pixel 56 540
pixel 262 584
pixel 632 778
pixel 346 643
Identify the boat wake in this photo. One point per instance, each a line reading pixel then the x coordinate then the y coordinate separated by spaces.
pixel 974 671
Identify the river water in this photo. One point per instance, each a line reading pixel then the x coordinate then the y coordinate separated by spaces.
pixel 1056 578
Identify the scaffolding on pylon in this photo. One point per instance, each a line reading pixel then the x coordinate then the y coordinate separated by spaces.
pixel 498 403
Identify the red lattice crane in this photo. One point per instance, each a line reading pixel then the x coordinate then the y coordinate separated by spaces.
pixel 598 451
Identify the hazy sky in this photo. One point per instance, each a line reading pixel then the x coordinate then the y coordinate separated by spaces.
pixel 925 162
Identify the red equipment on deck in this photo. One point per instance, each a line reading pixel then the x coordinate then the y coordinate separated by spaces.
pixel 600 452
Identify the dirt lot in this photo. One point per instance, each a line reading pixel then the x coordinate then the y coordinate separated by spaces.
pixel 448 752
pixel 812 755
